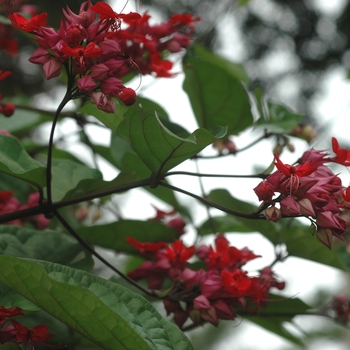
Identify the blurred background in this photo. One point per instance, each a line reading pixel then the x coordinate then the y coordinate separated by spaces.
pixel 298 52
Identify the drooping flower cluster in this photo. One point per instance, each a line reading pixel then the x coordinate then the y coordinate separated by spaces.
pixel 17 333
pixel 209 293
pixel 97 53
pixel 10 204
pixel 309 189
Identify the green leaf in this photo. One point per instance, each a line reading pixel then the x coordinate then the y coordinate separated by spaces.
pixel 113 235
pixel 109 315
pixel 280 119
pixel 15 161
pixel 217 95
pixel 67 174
pixel 43 245
pixel 10 346
pixel 159 148
pixel 278 311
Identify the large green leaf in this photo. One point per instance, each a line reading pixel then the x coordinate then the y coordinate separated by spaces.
pixel 157 147
pixel 217 95
pixel 276 313
pixel 113 235
pixel 15 161
pixel 67 174
pixel 106 313
pixel 294 235
pixel 280 119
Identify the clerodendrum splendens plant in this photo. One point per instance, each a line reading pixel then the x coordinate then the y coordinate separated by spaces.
pixel 47 237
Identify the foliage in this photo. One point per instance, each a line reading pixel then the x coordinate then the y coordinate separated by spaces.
pixel 56 209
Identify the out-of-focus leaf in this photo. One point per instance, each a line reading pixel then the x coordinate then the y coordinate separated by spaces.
pixel 67 174
pixel 109 315
pixel 215 89
pixel 113 235
pixel 15 161
pixel 157 147
pixel 280 119
pixel 278 311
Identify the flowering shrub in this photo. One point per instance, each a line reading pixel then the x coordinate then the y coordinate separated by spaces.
pixel 55 209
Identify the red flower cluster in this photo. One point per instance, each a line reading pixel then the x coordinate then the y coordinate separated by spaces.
pixel 309 189
pixel 10 204
pixel 17 333
pixel 97 53
pixel 209 293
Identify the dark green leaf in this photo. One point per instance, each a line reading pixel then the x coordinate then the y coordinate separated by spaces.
pixel 10 346
pixel 113 235
pixel 158 148
pixel 215 89
pixel 109 315
pixel 15 161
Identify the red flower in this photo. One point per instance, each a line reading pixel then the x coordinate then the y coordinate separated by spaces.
pixel 297 170
pixel 145 247
pixel 342 156
pixel 32 335
pixel 10 312
pixel 28 25
pixel 104 11
pixel 179 253
pixel 4 74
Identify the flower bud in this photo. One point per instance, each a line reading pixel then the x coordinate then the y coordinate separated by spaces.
pixel 128 96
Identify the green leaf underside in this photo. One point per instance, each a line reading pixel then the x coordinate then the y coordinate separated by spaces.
pixel 15 161
pixel 217 95
pixel 157 147
pixel 109 315
pixel 297 238
pixel 280 119
pixel 113 235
